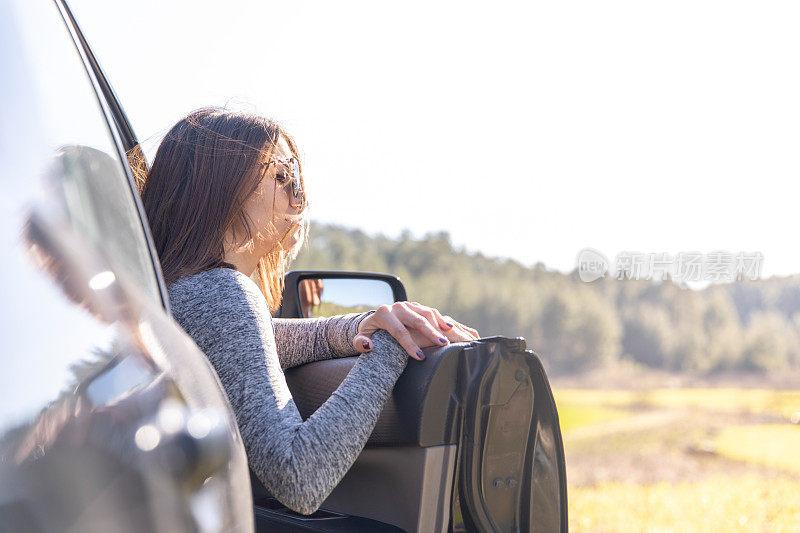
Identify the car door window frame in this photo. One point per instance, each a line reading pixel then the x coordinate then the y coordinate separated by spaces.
pixel 122 134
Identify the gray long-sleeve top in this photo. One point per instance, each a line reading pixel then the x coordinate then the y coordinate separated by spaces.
pixel 299 462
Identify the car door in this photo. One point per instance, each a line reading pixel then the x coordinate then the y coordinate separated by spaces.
pixel 111 419
pixel 468 441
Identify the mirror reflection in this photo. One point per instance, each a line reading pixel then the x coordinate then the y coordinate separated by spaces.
pixel 337 296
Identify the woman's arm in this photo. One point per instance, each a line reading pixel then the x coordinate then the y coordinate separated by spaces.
pixel 304 340
pixel 298 462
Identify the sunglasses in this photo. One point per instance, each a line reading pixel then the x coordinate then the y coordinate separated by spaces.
pixel 281 176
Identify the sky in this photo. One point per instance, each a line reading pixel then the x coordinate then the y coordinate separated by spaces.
pixel 524 130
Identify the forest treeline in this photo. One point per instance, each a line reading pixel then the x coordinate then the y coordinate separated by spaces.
pixel 577 326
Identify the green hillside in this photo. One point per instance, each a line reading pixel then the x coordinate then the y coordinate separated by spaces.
pixel 577 326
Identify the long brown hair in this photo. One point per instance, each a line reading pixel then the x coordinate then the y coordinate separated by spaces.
pixel 204 170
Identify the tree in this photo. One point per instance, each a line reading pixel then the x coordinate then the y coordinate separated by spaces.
pixel 771 343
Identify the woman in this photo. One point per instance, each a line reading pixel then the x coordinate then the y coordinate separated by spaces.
pixel 225 199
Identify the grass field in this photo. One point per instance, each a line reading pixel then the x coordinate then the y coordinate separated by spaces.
pixel 722 459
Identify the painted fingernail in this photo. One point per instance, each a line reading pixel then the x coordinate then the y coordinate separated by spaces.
pixel 420 354
pixel 442 340
pixel 449 324
pixel 365 344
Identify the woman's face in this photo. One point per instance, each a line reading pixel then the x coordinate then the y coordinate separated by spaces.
pixel 277 216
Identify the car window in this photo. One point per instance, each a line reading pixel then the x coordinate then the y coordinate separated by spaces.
pixel 100 205
pixel 85 169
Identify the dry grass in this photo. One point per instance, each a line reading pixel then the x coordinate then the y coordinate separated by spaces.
pixel 682 459
pixel 576 416
pixel 771 445
pixel 718 504
pixel 775 402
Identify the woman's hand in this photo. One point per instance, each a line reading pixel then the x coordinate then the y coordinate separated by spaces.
pixel 415 326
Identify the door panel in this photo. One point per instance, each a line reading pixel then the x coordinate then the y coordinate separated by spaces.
pixel 468 441
pixel 420 410
pixel 407 486
pixel 477 420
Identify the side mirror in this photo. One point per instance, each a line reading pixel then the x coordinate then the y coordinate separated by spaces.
pixel 323 293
